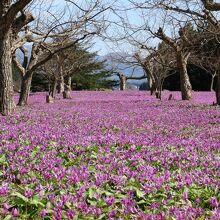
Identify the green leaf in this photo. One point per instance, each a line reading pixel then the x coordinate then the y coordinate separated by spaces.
pixel 141 202
pixel 120 196
pixel 36 202
pixel 8 217
pixel 34 213
pixel 101 203
pixel 102 216
pixel 92 201
pixel 140 194
pixel 19 195
pixel 49 205
pixel 1 173
pixel 202 217
pixel 107 193
pixel 91 193
pixel 2 158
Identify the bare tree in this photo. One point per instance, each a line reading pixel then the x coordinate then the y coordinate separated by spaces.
pixel 201 15
pixel 14 33
pixel 62 67
pixel 213 6
pixel 12 20
pixel 157 65
pixel 63 27
pixel 142 33
pixel 212 29
pixel 123 79
pixel 40 54
pixel 180 48
pixel 209 62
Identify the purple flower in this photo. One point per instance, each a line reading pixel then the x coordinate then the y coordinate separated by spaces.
pixel 43 212
pixel 110 200
pixel 28 192
pixel 185 195
pixel 113 142
pixel 197 200
pixel 4 190
pixel 214 202
pixel 112 213
pixel 15 212
pixel 5 207
pixel 70 213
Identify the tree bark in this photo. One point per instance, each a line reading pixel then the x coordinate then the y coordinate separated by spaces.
pixel 6 82
pixel 9 25
pixel 211 5
pixel 49 99
pixel 186 88
pixel 54 88
pixel 67 89
pixel 212 82
pixel 161 88
pixel 60 84
pixel 69 82
pixel 156 90
pixel 153 84
pixel 150 82
pixel 67 94
pixel 217 91
pixel 122 82
pixel 25 89
pixel 153 88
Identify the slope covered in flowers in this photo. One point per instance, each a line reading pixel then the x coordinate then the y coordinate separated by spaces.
pixel 111 155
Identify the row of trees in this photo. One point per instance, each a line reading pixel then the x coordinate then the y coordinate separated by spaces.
pixel 73 68
pixel 187 33
pixel 40 31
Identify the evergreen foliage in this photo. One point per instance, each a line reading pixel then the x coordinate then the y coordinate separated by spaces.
pixel 85 69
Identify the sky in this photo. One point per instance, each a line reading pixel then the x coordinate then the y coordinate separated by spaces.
pixel 108 44
pixel 134 19
pixel 46 8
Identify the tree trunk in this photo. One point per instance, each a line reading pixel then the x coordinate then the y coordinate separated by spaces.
pixel 217 91
pixel 150 82
pixel 49 99
pixel 25 89
pixel 6 82
pixel 67 94
pixel 122 83
pixel 186 88
pixel 54 88
pixel 69 82
pixel 153 88
pixel 161 88
pixel 153 85
pixel 60 85
pixel 60 80
pixel 67 89
pixel 157 90
pixel 212 81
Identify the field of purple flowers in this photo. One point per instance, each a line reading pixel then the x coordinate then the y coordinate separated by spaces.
pixel 111 155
